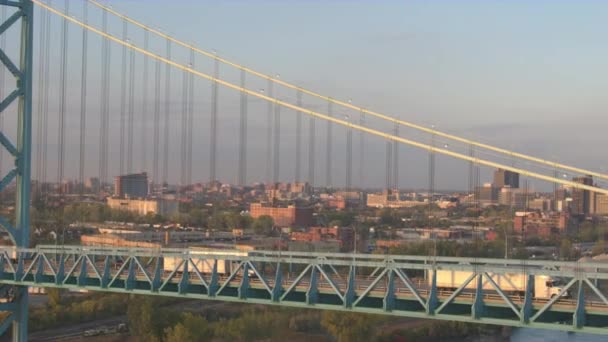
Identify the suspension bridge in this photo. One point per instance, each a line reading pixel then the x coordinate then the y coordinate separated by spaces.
pixel 504 292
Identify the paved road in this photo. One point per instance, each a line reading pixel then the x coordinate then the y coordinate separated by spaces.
pixel 74 331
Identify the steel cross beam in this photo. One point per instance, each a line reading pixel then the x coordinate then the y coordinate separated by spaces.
pixel 494 291
pixel 20 11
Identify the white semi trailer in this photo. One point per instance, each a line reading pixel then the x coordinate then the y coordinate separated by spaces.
pixel 205 259
pixel 510 283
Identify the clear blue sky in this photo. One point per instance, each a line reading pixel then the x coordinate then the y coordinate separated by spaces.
pixel 529 75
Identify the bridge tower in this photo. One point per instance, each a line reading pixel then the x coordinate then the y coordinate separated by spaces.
pixel 19 12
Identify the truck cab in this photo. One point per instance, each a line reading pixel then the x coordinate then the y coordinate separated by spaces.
pixel 547 287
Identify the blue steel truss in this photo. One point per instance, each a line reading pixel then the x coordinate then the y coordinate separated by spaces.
pixel 21 11
pixel 481 290
pixel 490 291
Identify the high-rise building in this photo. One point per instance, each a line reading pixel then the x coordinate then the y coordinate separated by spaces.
pixel 92 184
pixel 301 188
pixel 582 203
pixel 504 178
pixel 516 198
pixel 131 186
pixel 601 204
pixel 559 199
pixel 486 194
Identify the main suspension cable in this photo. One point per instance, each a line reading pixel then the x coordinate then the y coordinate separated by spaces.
pixel 346 104
pixel 335 120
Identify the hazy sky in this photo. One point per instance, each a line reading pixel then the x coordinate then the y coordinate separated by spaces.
pixel 527 75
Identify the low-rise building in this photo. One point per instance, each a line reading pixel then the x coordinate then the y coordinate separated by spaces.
pixel 144 206
pixel 389 200
pixel 344 235
pixel 286 216
pixel 535 223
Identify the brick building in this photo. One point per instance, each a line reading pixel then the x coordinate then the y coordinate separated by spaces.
pixel 345 236
pixel 283 216
pixel 531 224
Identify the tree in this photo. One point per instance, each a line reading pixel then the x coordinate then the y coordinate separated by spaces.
pixel 216 221
pixel 54 296
pixel 599 248
pixel 349 327
pixel 179 333
pixel 566 250
pixel 263 225
pixel 146 321
pixel 196 328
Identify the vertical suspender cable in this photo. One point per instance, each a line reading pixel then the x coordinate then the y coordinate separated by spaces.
pixel 184 122
pixel 102 101
pixel 311 151
pixel 213 127
pixel 143 126
pixel 167 114
pixel 298 137
pixel 45 104
pixel 555 192
pixel 389 156
pixel 190 119
pixel 329 147
pixel 62 100
pixel 431 194
pixel 131 112
pixel 269 134
pixel 349 157
pixel 83 99
pixel 277 143
pixel 105 109
pixel 395 184
pixel 123 97
pixel 361 150
pixel 471 179
pixel 41 83
pixel 242 178
pixel 156 144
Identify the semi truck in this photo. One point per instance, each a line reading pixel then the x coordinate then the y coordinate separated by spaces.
pixel 545 287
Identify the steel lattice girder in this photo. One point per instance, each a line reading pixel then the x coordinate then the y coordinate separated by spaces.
pixel 21 151
pixel 390 285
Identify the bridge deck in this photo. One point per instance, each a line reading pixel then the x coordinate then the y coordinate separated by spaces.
pixel 381 284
